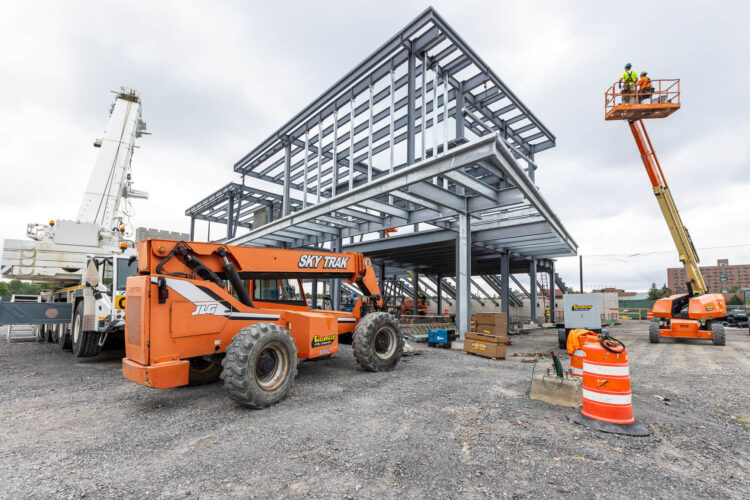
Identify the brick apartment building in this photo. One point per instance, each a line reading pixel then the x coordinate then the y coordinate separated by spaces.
pixel 719 278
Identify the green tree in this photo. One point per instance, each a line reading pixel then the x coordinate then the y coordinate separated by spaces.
pixel 4 289
pixel 665 292
pixel 734 301
pixel 734 289
pixel 653 292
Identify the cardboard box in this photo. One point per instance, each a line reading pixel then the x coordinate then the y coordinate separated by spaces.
pixel 493 323
pixel 485 348
pixel 492 329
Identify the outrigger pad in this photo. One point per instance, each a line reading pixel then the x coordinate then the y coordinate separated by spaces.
pixel 634 429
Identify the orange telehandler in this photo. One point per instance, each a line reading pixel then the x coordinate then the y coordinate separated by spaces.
pixel 198 312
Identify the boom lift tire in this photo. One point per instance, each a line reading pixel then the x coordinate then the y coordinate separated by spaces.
pixel 62 337
pixel 85 343
pixel 653 331
pixel 719 334
pixel 203 371
pixel 378 342
pixel 260 365
pixel 562 338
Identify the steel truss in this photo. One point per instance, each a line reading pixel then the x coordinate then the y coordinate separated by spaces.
pixel 421 136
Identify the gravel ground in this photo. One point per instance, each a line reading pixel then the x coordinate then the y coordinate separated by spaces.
pixel 443 424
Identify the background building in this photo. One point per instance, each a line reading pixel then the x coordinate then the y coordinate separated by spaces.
pixel 719 278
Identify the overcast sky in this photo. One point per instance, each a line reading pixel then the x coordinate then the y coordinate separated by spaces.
pixel 217 77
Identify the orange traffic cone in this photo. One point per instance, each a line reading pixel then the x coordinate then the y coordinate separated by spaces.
pixel 607 404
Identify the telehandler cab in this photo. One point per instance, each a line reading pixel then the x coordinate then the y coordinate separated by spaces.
pixel 200 311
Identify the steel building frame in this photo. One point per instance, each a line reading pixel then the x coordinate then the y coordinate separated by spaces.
pixel 421 136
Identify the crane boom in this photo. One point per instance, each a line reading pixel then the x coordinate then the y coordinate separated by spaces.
pixel 685 248
pixel 110 179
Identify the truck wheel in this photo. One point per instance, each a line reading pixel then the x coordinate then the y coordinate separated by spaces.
pixel 85 343
pixel 653 331
pixel 62 337
pixel 562 338
pixel 260 365
pixel 378 342
pixel 203 371
pixel 719 334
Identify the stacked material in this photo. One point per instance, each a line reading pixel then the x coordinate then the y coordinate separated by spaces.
pixel 490 338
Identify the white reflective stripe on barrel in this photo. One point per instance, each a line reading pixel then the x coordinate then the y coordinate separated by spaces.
pixel 613 399
pixel 577 371
pixel 579 353
pixel 615 371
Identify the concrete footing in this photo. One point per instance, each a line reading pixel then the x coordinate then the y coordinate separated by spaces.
pixel 557 391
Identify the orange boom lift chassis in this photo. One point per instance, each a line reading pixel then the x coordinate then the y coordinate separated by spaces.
pixel 693 315
pixel 203 311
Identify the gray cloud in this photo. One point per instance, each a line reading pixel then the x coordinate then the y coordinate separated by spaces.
pixel 217 78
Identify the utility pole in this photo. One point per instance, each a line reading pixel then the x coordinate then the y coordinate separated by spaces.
pixel 580 270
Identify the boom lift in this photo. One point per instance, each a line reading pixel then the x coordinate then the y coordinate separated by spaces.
pixel 695 314
pixel 200 311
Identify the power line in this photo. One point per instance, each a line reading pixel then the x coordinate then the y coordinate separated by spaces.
pixel 654 252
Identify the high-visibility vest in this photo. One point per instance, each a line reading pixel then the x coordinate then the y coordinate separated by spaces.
pixel 644 82
pixel 630 77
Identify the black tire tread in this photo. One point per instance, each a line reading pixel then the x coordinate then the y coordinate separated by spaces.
pixel 562 338
pixel 88 344
pixel 239 380
pixel 362 343
pixel 720 337
pixel 653 331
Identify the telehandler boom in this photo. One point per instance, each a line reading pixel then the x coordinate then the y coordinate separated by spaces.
pixel 200 311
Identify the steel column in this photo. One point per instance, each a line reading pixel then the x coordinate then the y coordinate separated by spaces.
pixel 314 304
pixel 336 283
pixel 230 216
pixel 552 292
pixel 410 100
pixel 463 274
pixel 532 289
pixel 285 209
pixel 505 282
pixel 192 228
pixel 439 295
pixel 415 291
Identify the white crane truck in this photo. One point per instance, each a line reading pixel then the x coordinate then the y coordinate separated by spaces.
pixel 89 257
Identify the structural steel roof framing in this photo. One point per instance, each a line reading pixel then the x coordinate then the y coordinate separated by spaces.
pixel 421 134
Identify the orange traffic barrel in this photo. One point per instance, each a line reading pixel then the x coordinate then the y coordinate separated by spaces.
pixel 577 357
pixel 576 339
pixel 607 399
pixel 446 313
pixel 473 324
pixel 649 314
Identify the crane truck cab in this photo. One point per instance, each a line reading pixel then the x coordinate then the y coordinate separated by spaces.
pixel 198 312
pixel 97 304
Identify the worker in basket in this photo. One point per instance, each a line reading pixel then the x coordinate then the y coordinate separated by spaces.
pixel 645 89
pixel 627 83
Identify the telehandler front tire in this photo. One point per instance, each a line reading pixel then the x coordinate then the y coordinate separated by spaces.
pixel 85 343
pixel 260 365
pixel 378 342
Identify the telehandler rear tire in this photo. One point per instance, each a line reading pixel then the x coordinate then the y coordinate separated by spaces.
pixel 653 331
pixel 203 371
pixel 719 334
pixel 562 338
pixel 378 342
pixel 260 365
pixel 85 343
